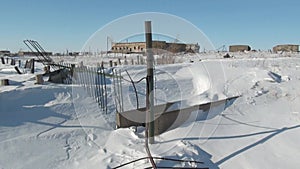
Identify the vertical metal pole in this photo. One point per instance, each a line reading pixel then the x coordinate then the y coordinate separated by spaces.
pixel 106 46
pixel 149 94
pixel 121 91
pixel 105 89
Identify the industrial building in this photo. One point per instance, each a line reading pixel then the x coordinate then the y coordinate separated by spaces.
pixel 27 53
pixel 139 47
pixel 286 48
pixel 239 48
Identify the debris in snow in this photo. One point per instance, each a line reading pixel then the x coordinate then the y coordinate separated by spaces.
pixel 285 78
pixel 276 77
pixel 91 137
pixel 227 56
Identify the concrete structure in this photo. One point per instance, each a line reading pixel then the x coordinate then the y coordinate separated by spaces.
pixel 167 120
pixel 286 48
pixel 158 46
pixel 239 48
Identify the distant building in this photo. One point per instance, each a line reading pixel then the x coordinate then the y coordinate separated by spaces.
pixel 25 53
pixel 132 47
pixel 286 48
pixel 192 48
pixel 239 48
pixel 158 46
pixel 74 53
pixel 4 53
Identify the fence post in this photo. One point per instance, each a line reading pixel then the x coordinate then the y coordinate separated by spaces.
pixel 47 69
pixel 72 69
pixel 138 59
pixel 39 79
pixel 97 83
pixel 32 66
pixel 17 69
pixel 101 88
pixel 105 90
pixel 12 62
pixel 111 63
pixel 3 61
pixel 4 82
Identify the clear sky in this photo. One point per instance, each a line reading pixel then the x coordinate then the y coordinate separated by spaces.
pixel 67 24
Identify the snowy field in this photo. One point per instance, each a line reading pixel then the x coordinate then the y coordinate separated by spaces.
pixel 53 126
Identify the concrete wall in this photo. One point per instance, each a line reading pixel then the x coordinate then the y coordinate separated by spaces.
pixel 286 48
pixel 239 48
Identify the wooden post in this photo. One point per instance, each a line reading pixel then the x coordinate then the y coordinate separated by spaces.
pixel 12 62
pixel 111 63
pixel 4 82
pixel 39 79
pixel 32 66
pixel 26 64
pixel 3 61
pixel 72 69
pixel 17 69
pixel 150 83
pixel 47 69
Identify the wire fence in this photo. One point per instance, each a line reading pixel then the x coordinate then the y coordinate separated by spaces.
pixel 117 89
pixel 100 83
pixel 94 80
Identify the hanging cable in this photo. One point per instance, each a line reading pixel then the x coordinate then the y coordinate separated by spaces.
pixel 136 94
pixel 147 148
pixel 159 158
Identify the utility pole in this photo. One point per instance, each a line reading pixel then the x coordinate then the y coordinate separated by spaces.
pixel 150 84
pixel 106 46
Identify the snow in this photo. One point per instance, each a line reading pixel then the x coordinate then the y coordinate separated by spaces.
pixel 60 126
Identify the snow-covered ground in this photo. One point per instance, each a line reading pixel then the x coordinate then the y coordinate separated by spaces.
pixel 57 126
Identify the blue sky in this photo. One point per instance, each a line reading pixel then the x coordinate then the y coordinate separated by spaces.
pixel 67 24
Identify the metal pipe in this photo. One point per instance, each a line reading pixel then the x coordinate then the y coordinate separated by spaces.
pixel 150 82
pixel 149 132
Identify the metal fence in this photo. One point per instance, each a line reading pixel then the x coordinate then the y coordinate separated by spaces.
pixel 117 89
pixel 102 84
pixel 94 80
